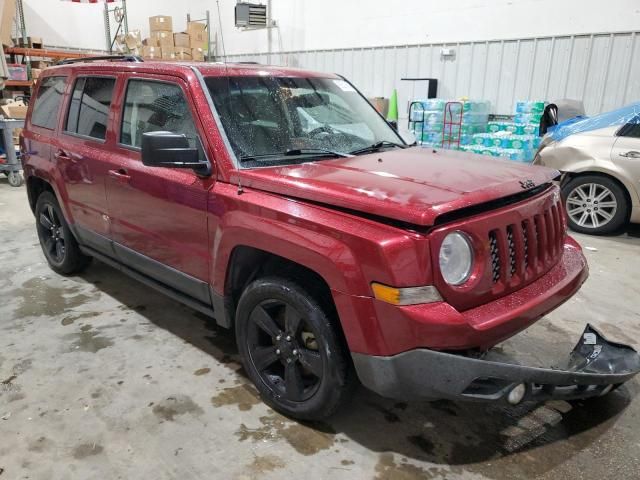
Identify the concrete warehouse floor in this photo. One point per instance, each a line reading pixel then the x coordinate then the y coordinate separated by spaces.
pixel 103 378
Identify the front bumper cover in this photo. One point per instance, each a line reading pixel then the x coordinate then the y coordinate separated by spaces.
pixel 595 367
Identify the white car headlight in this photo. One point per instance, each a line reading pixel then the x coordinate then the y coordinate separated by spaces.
pixel 456 258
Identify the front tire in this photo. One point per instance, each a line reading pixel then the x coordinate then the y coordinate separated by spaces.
pixel 291 350
pixel 595 204
pixel 58 244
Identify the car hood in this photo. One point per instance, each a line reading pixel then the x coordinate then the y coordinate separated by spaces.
pixel 413 185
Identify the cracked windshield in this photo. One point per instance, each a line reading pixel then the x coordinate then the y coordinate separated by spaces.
pixel 282 120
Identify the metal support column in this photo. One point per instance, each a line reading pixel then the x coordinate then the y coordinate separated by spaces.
pixel 107 27
pixel 125 22
pixel 23 34
pixel 209 53
pixel 269 34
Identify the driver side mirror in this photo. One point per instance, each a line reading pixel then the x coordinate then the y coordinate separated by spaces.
pixel 171 150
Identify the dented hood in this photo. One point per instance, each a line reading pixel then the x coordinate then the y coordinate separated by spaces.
pixel 414 185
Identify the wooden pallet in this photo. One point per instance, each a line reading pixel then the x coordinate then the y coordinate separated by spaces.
pixel 32 42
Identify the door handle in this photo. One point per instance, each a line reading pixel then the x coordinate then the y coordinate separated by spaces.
pixel 61 155
pixel 630 154
pixel 120 175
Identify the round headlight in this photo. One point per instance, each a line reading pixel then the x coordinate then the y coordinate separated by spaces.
pixel 456 258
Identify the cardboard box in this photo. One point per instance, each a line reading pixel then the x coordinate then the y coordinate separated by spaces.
pixel 119 45
pixel 168 53
pixel 14 110
pixel 41 64
pixel 197 35
pixel 7 14
pixel 150 42
pixel 183 53
pixel 193 28
pixel 133 39
pixel 197 54
pixel 181 40
pixel 16 135
pixel 164 39
pixel 151 53
pixel 161 23
pixel 198 40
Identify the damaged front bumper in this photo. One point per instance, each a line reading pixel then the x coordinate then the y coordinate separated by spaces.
pixel 595 367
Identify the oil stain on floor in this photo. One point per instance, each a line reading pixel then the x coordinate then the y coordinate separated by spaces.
pixel 38 297
pixel 174 406
pixel 70 319
pixel 87 340
pixel 85 450
pixel 388 469
pixel 263 464
pixel 305 439
pixel 243 396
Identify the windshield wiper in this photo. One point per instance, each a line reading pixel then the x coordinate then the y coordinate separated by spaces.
pixel 315 151
pixel 377 146
pixel 296 152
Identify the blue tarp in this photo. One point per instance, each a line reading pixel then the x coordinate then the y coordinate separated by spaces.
pixel 622 116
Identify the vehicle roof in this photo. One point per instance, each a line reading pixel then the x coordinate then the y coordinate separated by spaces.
pixel 173 68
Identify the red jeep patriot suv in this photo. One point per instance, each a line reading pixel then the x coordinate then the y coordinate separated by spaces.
pixel 280 203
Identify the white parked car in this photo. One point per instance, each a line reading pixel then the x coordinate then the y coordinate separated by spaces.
pixel 599 158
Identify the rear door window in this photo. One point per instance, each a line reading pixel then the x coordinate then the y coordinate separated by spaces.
pixel 89 107
pixel 47 103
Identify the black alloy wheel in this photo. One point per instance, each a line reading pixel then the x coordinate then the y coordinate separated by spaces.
pixel 283 349
pixel 58 244
pixel 51 234
pixel 292 349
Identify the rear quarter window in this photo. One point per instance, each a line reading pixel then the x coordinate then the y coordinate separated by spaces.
pixel 47 103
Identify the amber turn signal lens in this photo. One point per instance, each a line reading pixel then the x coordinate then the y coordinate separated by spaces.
pixel 386 294
pixel 405 296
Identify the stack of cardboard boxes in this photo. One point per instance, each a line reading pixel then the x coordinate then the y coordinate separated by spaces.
pixel 164 43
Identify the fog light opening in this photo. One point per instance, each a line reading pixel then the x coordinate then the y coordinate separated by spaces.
pixel 517 394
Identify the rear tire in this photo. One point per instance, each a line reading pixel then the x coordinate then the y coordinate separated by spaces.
pixel 595 204
pixel 291 350
pixel 58 244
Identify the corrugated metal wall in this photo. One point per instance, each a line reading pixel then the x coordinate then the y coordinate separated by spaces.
pixel 602 70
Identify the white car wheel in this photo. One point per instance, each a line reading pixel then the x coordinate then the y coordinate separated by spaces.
pixel 591 205
pixel 595 204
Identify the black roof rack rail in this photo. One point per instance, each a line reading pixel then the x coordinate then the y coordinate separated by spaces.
pixel 248 63
pixel 123 58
